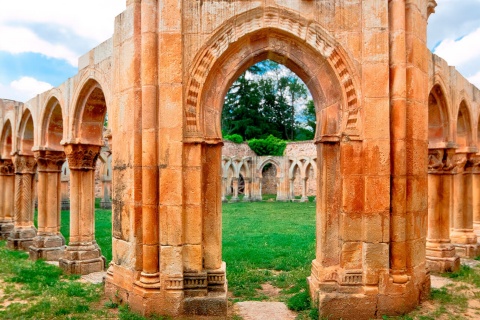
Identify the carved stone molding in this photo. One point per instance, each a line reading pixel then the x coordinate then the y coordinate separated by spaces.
pixel 459 161
pixel 82 156
pixel 440 161
pixel 49 161
pixel 24 164
pixel 6 167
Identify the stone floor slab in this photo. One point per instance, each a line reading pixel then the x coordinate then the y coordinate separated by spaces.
pixel 255 310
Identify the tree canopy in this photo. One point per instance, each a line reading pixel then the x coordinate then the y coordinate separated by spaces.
pixel 268 99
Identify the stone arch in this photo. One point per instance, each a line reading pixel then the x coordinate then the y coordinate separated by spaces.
pixel 88 113
pixel 464 127
pixel 438 117
pixel 6 142
pixel 301 45
pixel 271 161
pixel 26 134
pixel 295 164
pixel 51 133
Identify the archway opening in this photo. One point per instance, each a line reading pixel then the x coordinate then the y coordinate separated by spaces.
pixel 464 132
pixel 6 142
pixel 437 118
pixel 266 241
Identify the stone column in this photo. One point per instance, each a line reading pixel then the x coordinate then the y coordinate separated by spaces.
pixel 235 190
pixel 304 190
pixel 7 185
pixel 463 237
pixel 106 202
pixel 49 243
pixel 82 255
pixel 476 194
pixel 224 189
pixel 440 253
pixel 247 196
pixel 292 188
pixel 24 231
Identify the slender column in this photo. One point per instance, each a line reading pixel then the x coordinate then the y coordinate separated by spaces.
pixel 82 255
pixel 292 188
pixel 248 183
pixel 212 219
pixel 106 202
pixel 463 237
pixel 7 185
pixel 304 190
pixel 440 254
pixel 235 189
pixel 49 243
pixel 224 189
pixel 21 237
pixel 476 194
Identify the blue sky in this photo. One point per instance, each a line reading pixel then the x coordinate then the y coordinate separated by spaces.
pixel 41 40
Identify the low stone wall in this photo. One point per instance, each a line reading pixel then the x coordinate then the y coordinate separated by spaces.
pixel 231 149
pixel 301 148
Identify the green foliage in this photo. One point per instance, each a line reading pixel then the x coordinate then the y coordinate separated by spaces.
pixel 299 301
pixel 235 138
pixel 466 274
pixel 270 146
pixel 263 102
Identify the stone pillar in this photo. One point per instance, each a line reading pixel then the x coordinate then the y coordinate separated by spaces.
pixel 440 253
pixel 49 243
pixel 7 186
pixel 224 189
pixel 82 255
pixel 248 185
pixel 235 190
pixel 304 190
pixel 476 194
pixel 24 231
pixel 292 188
pixel 106 202
pixel 463 237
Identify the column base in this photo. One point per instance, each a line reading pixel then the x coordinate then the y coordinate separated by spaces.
pixel 82 259
pixel 467 250
pixel 106 204
pixel 47 247
pixel 21 238
pixel 476 228
pixel 5 229
pixel 441 256
pixel 304 199
pixel 234 199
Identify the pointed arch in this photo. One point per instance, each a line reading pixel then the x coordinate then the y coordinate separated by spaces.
pixel 52 128
pixel 6 142
pixel 26 134
pixel 438 117
pixel 464 127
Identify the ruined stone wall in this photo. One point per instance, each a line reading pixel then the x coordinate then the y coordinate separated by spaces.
pixel 231 149
pixel 269 180
pixel 301 148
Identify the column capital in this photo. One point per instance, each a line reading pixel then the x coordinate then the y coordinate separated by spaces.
pixel 446 161
pixel 49 160
pixel 24 164
pixel 6 167
pixel 82 156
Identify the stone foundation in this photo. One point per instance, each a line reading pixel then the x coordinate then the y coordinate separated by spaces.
pixel 5 229
pixel 82 259
pixel 21 239
pixel 49 248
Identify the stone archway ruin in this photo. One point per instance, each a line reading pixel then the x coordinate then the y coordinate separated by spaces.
pixel 390 117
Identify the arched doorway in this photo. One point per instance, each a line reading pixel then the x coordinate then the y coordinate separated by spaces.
pixel 49 243
pixel 83 255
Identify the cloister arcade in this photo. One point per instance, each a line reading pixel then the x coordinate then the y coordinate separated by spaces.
pixel 396 152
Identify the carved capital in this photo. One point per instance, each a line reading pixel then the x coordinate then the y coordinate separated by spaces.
pixel 82 156
pixel 24 164
pixel 459 161
pixel 49 161
pixel 6 167
pixel 441 161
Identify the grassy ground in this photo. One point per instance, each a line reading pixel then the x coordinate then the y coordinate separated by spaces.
pixel 268 248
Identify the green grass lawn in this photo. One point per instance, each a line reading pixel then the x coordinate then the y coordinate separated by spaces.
pixel 263 242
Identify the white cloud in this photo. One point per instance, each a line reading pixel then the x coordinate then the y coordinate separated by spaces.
pixel 19 39
pixel 459 52
pixel 92 20
pixel 475 79
pixel 23 89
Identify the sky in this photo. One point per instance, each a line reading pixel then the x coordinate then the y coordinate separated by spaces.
pixel 41 40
